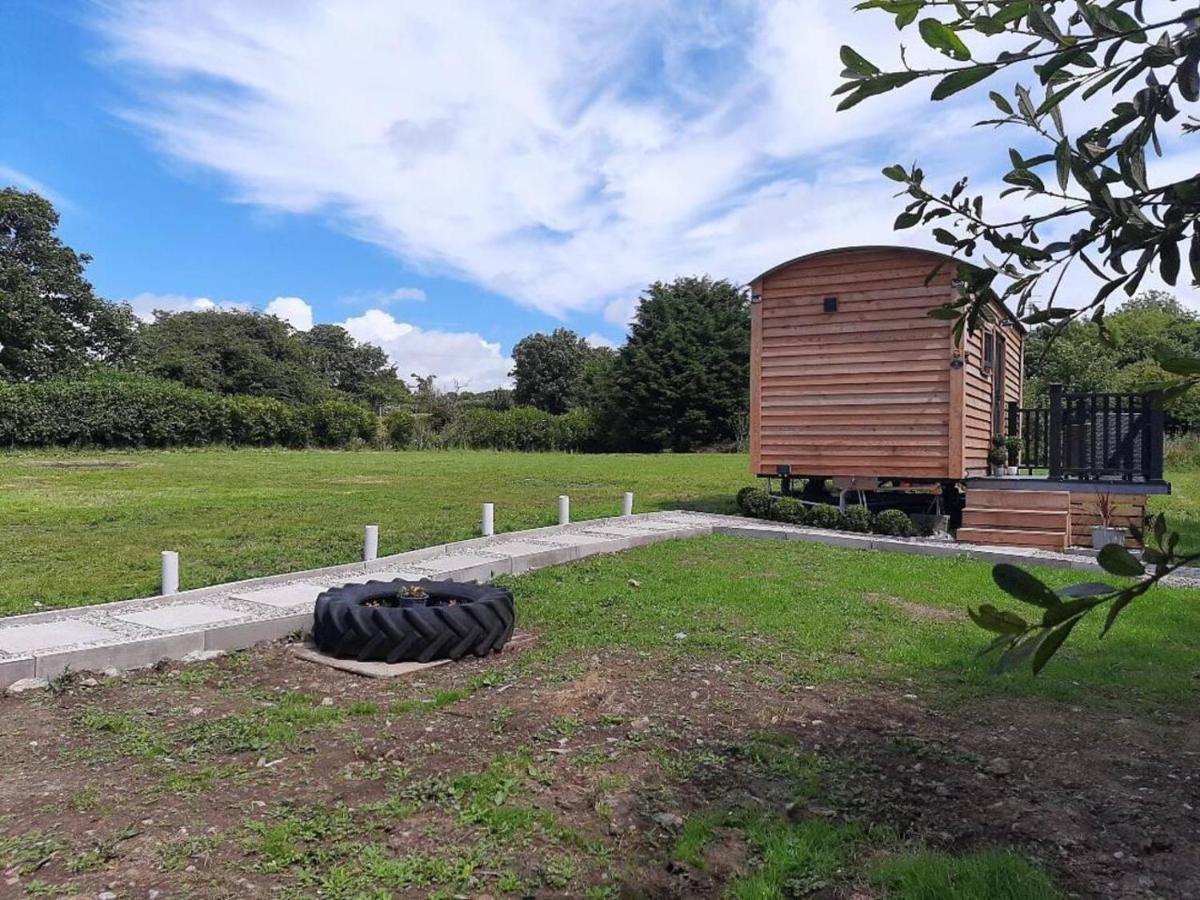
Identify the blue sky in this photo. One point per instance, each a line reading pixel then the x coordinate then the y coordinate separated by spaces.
pixel 445 178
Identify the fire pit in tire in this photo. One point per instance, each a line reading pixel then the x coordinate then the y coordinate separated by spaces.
pixel 413 621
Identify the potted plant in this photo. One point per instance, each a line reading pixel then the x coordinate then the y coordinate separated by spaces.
pixel 1104 533
pixel 998 455
pixel 1012 444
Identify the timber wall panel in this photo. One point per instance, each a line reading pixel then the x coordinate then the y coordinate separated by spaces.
pixel 861 391
pixel 1128 510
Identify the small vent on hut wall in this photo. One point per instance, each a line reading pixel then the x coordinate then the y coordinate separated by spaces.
pixel 831 304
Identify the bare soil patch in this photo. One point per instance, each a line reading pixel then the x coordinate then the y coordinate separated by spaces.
pixel 259 774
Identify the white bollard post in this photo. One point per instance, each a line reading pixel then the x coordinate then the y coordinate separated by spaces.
pixel 489 520
pixel 370 543
pixel 564 510
pixel 627 504
pixel 170 572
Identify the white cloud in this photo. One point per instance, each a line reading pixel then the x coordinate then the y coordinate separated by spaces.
pixel 459 359
pixel 385 298
pixel 405 295
pixel 561 154
pixel 25 182
pixel 595 339
pixel 145 305
pixel 293 310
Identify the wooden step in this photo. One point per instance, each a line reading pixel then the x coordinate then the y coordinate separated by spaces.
pixel 1020 519
pixel 978 498
pixel 1050 540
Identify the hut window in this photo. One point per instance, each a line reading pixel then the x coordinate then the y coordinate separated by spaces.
pixel 989 350
pixel 831 304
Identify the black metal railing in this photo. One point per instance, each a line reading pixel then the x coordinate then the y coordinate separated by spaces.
pixel 1092 436
pixel 1032 424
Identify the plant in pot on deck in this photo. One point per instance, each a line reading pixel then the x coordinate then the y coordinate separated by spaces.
pixel 1012 444
pixel 998 455
pixel 1104 533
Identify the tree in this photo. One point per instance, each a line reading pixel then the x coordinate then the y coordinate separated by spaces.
pixel 546 369
pixel 681 381
pixel 51 321
pixel 594 385
pixel 1093 202
pixel 361 371
pixel 230 352
pixel 1082 357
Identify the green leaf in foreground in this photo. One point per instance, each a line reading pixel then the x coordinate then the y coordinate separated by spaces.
pixel 1116 560
pixel 1026 587
pixel 960 81
pixel 941 37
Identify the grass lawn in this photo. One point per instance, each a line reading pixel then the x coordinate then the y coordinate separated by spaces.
pixel 816 614
pixel 87 529
pixel 1182 507
pixel 78 528
pixel 716 717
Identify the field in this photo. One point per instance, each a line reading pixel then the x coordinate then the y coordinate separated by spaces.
pixel 77 529
pixel 705 718
pixel 87 529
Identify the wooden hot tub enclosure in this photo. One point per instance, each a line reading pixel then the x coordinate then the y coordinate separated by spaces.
pixel 850 377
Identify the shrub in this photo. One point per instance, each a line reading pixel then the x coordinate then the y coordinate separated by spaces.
pixel 523 428
pixel 110 409
pixel 264 421
pixel 528 429
pixel 337 423
pixel 855 518
pixel 399 426
pixel 824 516
pixel 742 495
pixel 790 510
pixel 894 522
pixel 578 430
pixel 757 504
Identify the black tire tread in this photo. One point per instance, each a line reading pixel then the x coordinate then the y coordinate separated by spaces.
pixel 481 622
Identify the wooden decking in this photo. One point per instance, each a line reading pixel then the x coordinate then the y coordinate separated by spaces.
pixel 1033 518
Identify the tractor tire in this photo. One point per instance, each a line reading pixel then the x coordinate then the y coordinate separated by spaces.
pixel 413 621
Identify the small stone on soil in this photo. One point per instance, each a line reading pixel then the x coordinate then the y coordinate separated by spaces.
pixel 998 766
pixel 668 820
pixel 27 684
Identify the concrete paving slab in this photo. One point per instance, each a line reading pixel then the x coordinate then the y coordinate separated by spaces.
pixel 174 616
pixel 625 530
pixel 385 574
pixel 580 539
pixel 247 634
pixel 478 574
pixel 134 654
pixel 752 531
pixel 454 561
pixel 547 556
pixel 519 548
pixel 15 669
pixel 308 651
pixel 26 639
pixel 300 593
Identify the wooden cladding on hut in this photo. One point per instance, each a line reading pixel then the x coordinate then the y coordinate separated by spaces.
pixel 850 376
